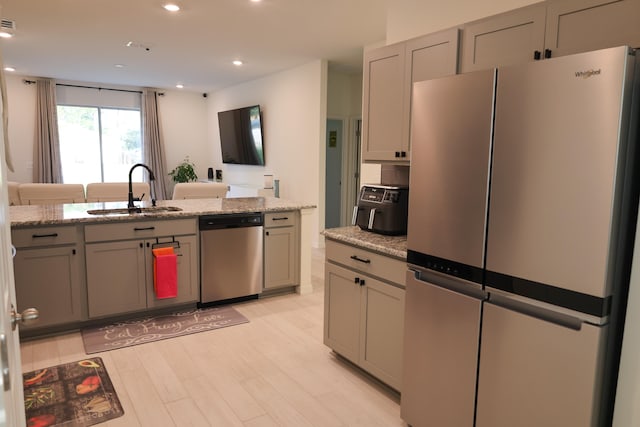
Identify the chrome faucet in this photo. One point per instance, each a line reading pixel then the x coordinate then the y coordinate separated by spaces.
pixel 131 205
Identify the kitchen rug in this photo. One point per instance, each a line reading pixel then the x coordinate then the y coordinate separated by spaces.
pixel 149 329
pixel 74 394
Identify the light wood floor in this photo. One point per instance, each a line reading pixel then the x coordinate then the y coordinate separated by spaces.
pixel 272 371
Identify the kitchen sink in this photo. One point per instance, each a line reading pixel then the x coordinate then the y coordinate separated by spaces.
pixel 126 211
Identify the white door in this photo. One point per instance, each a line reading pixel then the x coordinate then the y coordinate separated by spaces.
pixel 12 400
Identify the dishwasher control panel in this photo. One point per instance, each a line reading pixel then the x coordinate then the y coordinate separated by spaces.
pixel 212 222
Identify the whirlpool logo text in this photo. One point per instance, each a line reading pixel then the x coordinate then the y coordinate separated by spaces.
pixel 588 73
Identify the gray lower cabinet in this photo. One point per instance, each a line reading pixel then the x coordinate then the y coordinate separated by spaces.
pixel 188 279
pixel 48 269
pixel 364 314
pixel 120 270
pixel 281 250
pixel 116 277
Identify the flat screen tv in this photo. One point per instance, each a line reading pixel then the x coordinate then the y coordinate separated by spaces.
pixel 241 136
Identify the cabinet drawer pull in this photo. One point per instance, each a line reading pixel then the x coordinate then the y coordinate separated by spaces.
pixel 282 218
pixel 356 258
pixel 143 228
pixel 38 236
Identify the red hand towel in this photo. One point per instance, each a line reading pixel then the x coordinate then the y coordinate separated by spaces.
pixel 165 273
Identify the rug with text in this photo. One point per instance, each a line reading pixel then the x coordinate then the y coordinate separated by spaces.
pixel 148 329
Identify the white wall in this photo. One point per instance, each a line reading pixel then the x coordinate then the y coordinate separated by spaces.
pixel 411 18
pixel 185 131
pixel 294 105
pixel 21 100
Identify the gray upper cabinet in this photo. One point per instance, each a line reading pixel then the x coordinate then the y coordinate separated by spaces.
pixel 389 74
pixel 582 25
pixel 508 38
pixel 549 29
pixel 383 135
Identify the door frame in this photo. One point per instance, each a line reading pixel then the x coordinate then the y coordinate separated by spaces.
pixel 351 164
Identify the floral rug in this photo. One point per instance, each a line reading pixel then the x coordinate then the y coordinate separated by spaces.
pixel 74 394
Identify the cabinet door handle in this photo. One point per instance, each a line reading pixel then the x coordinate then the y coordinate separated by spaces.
pixel 361 282
pixel 143 228
pixel 403 154
pixel 141 245
pixel 356 258
pixel 537 55
pixel 38 236
pixel 547 53
pixel 397 154
pixel 356 280
pixel 267 233
pixel 282 218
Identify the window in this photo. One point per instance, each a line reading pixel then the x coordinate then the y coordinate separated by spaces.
pixel 100 136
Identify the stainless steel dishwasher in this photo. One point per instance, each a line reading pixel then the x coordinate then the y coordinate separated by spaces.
pixel 231 261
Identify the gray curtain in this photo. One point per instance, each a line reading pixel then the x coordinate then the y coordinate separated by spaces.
pixel 46 153
pixel 5 118
pixel 152 141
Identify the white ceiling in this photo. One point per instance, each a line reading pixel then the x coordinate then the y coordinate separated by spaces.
pixel 83 40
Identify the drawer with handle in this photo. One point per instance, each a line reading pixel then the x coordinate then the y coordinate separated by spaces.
pixel 138 229
pixel 279 219
pixel 374 264
pixel 44 236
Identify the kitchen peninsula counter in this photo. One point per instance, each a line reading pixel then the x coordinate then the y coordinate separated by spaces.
pixel 80 268
pixel 76 213
pixel 392 246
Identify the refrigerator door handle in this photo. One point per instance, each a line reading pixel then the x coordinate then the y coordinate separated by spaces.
pixel 554 317
pixel 449 283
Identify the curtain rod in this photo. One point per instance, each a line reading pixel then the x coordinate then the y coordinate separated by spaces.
pixel 30 82
pixel 99 88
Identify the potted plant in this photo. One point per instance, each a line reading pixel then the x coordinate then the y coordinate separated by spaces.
pixel 184 172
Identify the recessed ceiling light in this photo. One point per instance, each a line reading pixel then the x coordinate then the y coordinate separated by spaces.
pixel 5 35
pixel 171 7
pixel 256 1
pixel 10 69
pixel 237 63
pixel 179 85
pixel 119 65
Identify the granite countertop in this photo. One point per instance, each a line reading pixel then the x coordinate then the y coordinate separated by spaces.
pixel 395 246
pixel 74 213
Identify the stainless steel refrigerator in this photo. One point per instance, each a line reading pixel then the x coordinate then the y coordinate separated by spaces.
pixel 521 221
